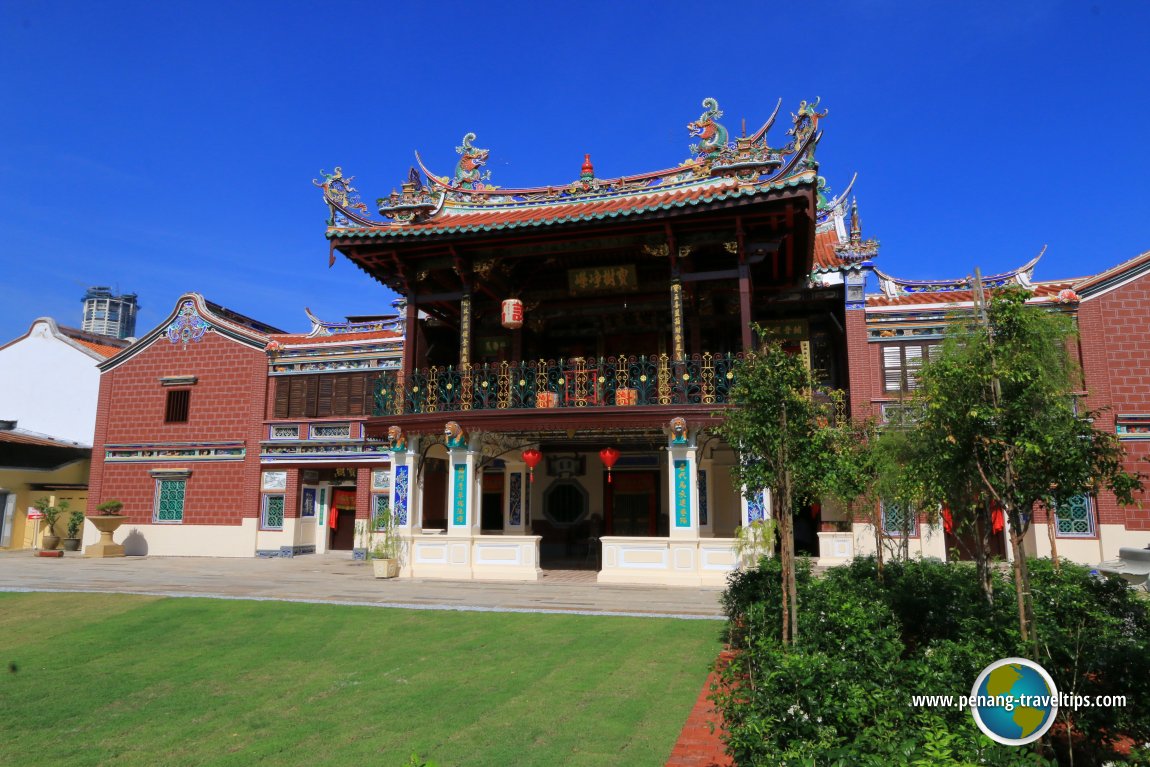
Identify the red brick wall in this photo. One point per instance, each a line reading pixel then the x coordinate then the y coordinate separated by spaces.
pixel 864 365
pixel 1115 332
pixel 227 404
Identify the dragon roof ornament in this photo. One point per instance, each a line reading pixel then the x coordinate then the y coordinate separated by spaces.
pixel 893 287
pixel 748 160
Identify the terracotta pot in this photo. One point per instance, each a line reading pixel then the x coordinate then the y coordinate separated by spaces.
pixel 546 399
pixel 50 542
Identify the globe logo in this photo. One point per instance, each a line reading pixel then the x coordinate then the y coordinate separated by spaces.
pixel 1014 701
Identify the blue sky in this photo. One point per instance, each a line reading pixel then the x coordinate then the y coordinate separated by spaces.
pixel 161 147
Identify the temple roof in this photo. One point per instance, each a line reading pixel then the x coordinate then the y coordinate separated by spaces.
pixel 894 287
pixel 718 172
pixel 1052 291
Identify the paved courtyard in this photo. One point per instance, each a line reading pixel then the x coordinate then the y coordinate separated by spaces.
pixel 335 578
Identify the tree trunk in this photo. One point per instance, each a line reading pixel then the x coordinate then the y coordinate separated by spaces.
pixel 1022 583
pixel 1051 525
pixel 982 556
pixel 789 547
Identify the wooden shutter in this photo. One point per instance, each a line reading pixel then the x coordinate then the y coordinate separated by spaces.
pixel 912 363
pixel 356 387
pixel 892 368
pixel 339 395
pixel 283 387
pixel 323 406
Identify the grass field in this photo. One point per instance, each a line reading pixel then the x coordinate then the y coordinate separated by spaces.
pixel 148 681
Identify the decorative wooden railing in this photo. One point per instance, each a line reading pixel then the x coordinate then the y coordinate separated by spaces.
pixel 581 382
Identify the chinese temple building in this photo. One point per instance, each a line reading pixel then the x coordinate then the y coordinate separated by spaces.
pixel 547 392
pixel 570 348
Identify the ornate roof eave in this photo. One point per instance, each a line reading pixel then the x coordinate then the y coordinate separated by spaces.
pixel 458 226
pixel 893 287
pixel 790 175
pixel 322 328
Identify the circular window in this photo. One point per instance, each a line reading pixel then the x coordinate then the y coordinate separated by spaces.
pixel 565 502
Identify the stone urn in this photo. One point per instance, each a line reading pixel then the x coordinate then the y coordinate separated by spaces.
pixel 105 547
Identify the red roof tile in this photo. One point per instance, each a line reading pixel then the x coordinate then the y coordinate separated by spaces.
pixel 31 438
pixel 300 339
pixel 825 257
pixel 1041 290
pixel 104 350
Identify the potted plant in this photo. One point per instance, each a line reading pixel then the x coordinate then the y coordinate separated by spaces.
pixel 50 514
pixel 75 522
pixel 384 553
pixel 110 508
pixel 107 522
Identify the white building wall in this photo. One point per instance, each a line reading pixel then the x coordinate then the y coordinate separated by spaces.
pixel 48 385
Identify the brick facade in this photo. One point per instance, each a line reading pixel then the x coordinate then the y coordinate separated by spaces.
pixel 225 405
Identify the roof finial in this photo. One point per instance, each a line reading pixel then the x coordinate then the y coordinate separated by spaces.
pixel 588 169
pixel 856 225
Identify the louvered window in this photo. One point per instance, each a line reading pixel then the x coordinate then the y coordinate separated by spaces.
pixel 323 395
pixel 901 364
pixel 176 410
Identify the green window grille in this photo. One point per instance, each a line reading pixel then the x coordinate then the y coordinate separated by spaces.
pixel 273 512
pixel 1075 519
pixel 896 518
pixel 380 508
pixel 170 500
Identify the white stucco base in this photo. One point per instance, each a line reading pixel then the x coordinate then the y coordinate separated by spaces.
pixel 184 540
pixel 667 561
pixel 471 557
pixel 930 542
pixel 1087 551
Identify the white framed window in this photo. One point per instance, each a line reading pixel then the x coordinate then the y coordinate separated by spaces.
pixel 896 518
pixel 272 515
pixel 170 501
pixel 1075 519
pixel 380 508
pixel 901 364
pixel 331 431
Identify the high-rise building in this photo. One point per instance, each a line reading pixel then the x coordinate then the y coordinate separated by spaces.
pixel 109 315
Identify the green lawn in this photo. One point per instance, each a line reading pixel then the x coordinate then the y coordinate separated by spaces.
pixel 148 681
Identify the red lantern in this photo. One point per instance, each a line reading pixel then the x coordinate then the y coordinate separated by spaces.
pixel 512 316
pixel 531 457
pixel 608 456
pixel 947 520
pixel 997 520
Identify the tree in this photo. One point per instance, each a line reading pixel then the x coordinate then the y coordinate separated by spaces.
pixel 781 428
pixel 1000 426
pixel 870 466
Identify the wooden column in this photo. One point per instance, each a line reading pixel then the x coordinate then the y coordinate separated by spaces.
pixel 410 336
pixel 745 315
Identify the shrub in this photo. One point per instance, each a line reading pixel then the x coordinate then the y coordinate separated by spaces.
pixel 842 694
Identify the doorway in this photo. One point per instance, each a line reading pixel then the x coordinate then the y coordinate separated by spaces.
pixel 631 504
pixel 434 494
pixel 341 534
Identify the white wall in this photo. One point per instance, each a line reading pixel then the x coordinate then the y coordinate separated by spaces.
pixel 49 386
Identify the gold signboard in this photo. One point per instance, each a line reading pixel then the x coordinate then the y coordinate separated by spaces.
pixel 602 279
pixel 787 330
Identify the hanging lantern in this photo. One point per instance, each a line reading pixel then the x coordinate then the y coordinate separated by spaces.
pixel 531 457
pixel 513 314
pixel 608 456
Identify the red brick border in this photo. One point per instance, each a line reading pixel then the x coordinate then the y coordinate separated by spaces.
pixel 698 745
